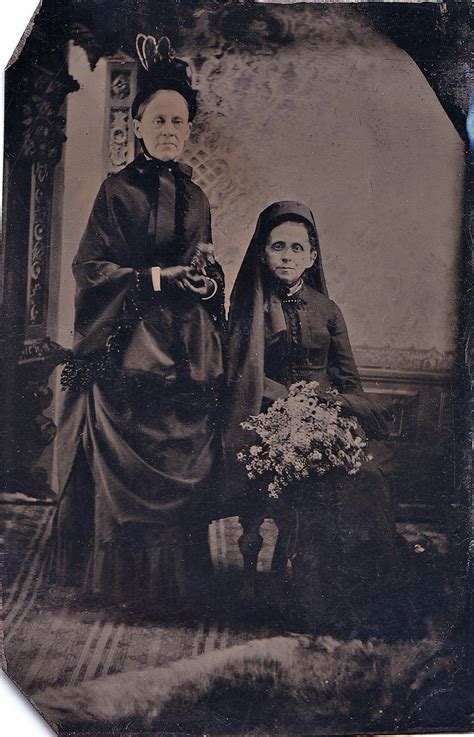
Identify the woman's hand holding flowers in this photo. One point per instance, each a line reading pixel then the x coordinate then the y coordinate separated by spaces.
pixel 272 390
pixel 187 278
pixel 346 407
pixel 197 281
pixel 175 274
pixel 198 284
pixel 192 277
pixel 373 416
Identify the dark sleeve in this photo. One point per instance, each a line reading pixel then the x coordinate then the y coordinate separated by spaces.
pixel 341 359
pixel 103 281
pixel 208 226
pixel 272 390
pixel 344 373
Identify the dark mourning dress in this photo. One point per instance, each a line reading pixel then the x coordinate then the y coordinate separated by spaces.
pixel 341 534
pixel 138 436
pixel 338 531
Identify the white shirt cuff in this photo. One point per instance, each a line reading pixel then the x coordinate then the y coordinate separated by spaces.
pixel 156 278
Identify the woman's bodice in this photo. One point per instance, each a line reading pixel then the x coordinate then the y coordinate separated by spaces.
pixel 314 346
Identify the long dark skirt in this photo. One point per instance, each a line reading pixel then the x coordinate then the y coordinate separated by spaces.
pixel 342 542
pixel 131 525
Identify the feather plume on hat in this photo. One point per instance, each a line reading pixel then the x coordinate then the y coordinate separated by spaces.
pixel 161 70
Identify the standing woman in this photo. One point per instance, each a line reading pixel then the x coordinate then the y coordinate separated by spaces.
pixel 137 440
pixel 283 328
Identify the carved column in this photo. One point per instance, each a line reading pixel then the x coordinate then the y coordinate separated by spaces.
pixel 43 141
pixel 120 139
pixel 34 135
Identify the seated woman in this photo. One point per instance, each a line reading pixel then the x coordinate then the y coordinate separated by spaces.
pixel 283 328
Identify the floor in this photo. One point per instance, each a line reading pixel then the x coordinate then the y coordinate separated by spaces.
pixel 50 639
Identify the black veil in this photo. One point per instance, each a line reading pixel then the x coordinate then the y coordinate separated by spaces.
pixel 250 299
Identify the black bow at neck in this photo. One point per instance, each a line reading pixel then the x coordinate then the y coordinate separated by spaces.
pixel 145 164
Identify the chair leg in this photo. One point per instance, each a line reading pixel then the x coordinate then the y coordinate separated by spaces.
pixel 250 544
pixel 280 553
pixel 284 546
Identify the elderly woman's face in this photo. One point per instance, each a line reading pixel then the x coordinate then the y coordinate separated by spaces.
pixel 288 252
pixel 164 125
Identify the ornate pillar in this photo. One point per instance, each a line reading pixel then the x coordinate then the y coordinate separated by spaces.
pixel 37 85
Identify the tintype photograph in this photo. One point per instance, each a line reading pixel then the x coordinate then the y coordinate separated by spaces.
pixel 235 457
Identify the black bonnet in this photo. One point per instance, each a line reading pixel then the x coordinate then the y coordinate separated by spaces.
pixel 161 70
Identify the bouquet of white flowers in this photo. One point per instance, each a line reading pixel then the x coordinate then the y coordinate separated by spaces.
pixel 304 433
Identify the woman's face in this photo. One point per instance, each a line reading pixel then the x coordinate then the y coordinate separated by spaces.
pixel 163 125
pixel 288 252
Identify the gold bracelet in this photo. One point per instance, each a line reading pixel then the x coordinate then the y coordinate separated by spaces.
pixel 214 292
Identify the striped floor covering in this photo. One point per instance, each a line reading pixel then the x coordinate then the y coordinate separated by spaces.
pixel 49 641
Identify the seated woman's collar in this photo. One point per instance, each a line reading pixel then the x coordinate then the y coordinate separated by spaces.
pixel 285 292
pixel 295 288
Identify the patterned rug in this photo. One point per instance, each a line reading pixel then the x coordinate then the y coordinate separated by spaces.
pixel 50 641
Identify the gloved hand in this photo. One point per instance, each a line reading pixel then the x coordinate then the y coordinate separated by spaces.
pixel 175 274
pixel 201 285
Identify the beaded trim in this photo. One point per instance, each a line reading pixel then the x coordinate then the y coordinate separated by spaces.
pixel 80 373
pixel 297 369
